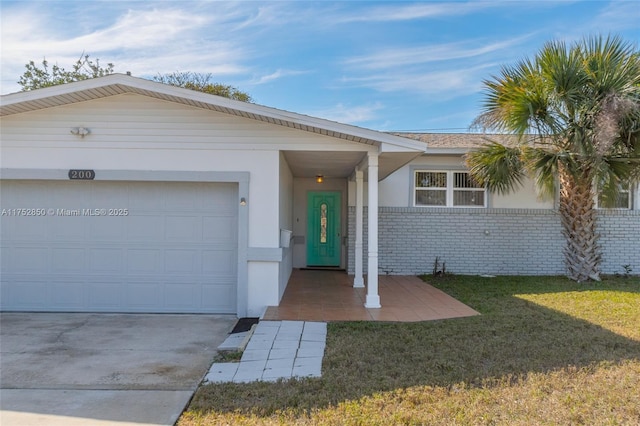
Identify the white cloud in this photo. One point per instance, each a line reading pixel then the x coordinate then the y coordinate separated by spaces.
pixel 403 12
pixel 446 70
pixel 619 15
pixel 401 57
pixel 133 30
pixel 144 41
pixel 350 114
pixel 142 29
pixel 445 84
pixel 278 74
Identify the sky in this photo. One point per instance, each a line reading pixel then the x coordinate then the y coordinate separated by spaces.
pixel 389 66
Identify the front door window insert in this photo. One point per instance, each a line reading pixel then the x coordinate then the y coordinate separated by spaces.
pixel 323 223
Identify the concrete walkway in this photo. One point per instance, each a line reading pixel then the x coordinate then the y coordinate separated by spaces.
pixel 276 350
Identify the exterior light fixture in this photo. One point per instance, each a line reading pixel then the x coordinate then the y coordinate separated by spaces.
pixel 319 178
pixel 80 131
pixel 243 201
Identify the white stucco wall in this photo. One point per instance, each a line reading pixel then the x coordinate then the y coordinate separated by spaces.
pixel 285 196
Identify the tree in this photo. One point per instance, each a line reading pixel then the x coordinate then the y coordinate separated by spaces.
pixel 36 77
pixel 202 83
pixel 575 114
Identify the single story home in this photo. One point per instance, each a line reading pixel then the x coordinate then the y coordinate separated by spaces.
pixel 120 194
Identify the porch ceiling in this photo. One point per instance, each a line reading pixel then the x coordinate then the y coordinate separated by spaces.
pixel 330 164
pixel 342 164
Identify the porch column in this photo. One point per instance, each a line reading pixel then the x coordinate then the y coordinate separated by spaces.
pixel 358 281
pixel 373 299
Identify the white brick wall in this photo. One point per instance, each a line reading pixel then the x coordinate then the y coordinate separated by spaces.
pixel 491 241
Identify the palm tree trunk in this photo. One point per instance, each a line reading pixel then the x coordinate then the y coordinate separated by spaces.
pixel 578 216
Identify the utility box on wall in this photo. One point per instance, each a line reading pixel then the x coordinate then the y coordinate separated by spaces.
pixel 285 238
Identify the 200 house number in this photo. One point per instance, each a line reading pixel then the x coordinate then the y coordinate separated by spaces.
pixel 82 174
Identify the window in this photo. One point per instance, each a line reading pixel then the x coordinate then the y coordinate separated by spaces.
pixel 447 189
pixel 622 201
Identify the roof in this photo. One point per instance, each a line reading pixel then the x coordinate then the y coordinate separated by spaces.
pixel 454 142
pixel 116 84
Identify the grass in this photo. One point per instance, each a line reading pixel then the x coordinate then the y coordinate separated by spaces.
pixel 228 356
pixel 544 351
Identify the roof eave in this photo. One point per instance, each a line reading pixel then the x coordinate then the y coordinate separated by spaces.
pixel 447 151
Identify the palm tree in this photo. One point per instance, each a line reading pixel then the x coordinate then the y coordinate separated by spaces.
pixel 574 113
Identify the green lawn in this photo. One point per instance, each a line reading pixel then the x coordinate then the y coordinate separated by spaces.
pixel 544 351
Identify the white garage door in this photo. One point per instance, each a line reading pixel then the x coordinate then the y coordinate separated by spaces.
pixel 99 246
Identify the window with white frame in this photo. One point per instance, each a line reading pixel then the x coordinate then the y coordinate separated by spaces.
pixel 447 188
pixel 622 201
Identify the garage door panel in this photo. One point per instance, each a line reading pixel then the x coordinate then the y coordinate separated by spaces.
pixel 18 195
pixel 37 230
pixel 218 296
pixel 181 261
pixel 143 260
pixel 107 229
pixel 218 261
pixel 26 260
pixel 115 195
pixel 145 228
pixel 148 198
pixel 183 228
pixel 67 294
pixel 68 260
pixel 178 198
pixel 25 295
pixel 106 295
pixel 175 251
pixel 219 228
pixel 68 228
pixel 72 196
pixel 143 296
pixel 180 295
pixel 106 260
pixel 215 199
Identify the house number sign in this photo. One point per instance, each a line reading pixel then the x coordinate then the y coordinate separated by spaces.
pixel 82 174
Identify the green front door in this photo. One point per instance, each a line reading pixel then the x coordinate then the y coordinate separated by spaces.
pixel 323 229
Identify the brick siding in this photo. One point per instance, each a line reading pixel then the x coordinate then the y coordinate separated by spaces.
pixel 490 241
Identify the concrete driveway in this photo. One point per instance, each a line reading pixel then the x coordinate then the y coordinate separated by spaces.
pixel 100 369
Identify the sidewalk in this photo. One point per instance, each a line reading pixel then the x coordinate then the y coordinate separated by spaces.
pixel 276 350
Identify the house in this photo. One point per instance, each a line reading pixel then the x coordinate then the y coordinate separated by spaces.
pixel 125 195
pixel 120 194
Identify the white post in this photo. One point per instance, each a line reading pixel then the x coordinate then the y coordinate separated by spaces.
pixel 373 299
pixel 358 280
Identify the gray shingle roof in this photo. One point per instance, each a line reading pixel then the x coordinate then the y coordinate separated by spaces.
pixel 458 140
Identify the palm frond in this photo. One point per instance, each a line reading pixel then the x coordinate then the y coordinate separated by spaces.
pixel 544 164
pixel 613 175
pixel 497 167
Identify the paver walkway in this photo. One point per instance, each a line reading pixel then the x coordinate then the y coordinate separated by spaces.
pixel 276 350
